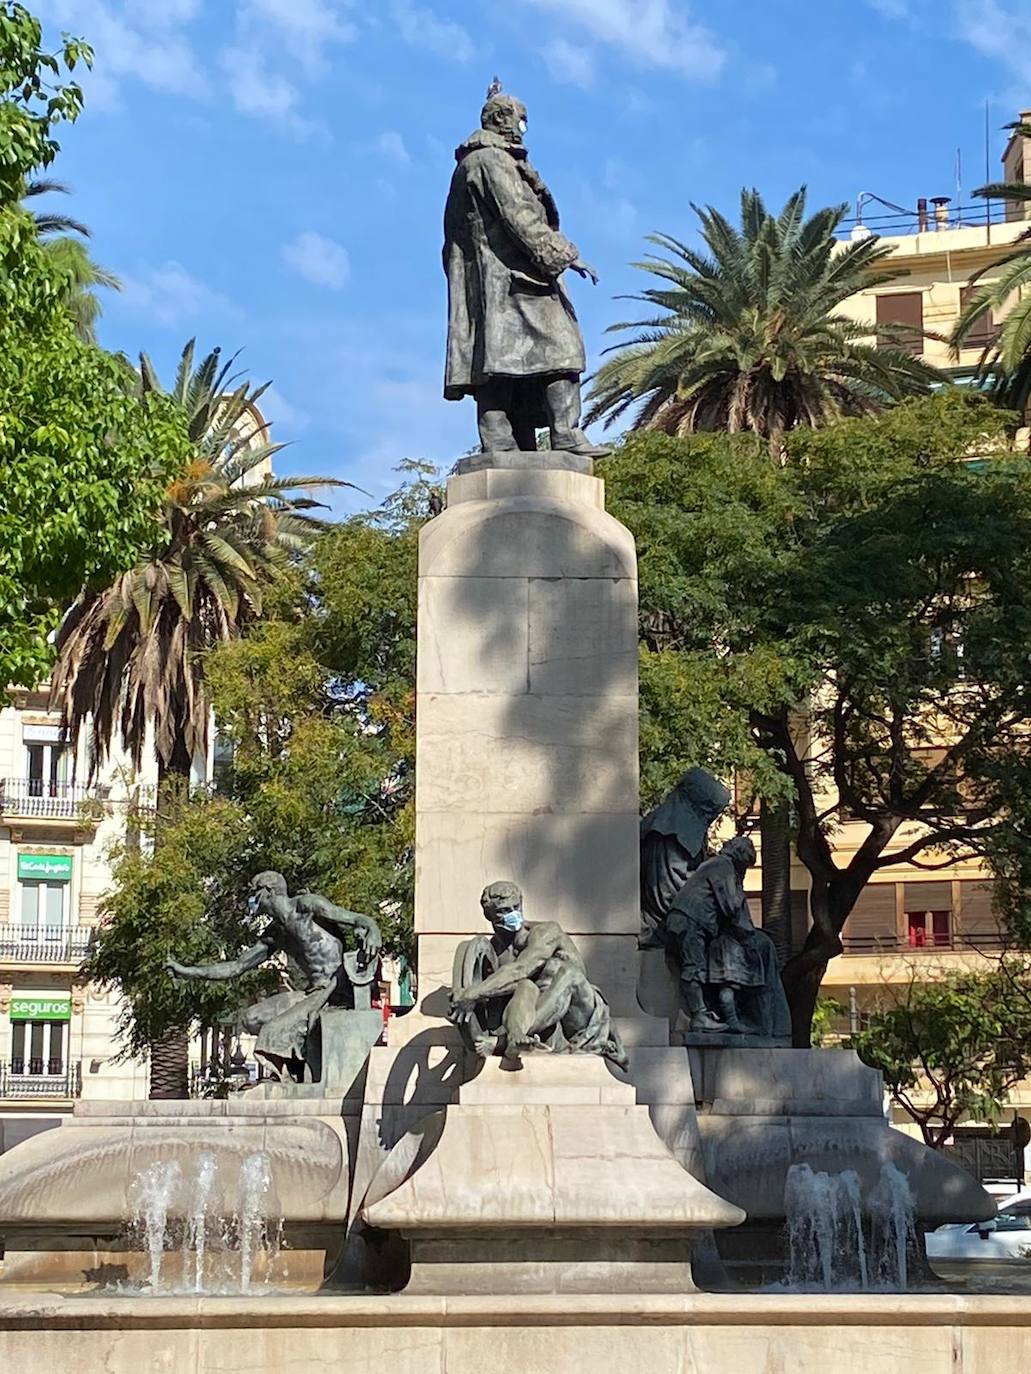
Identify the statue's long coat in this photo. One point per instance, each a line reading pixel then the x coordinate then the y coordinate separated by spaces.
pixel 508 314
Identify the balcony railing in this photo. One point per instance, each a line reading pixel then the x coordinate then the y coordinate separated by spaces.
pixel 896 224
pixel 34 798
pixel 45 944
pixel 40 1078
pixel 935 944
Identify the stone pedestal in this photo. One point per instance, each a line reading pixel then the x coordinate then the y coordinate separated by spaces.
pixel 545 1178
pixel 527 718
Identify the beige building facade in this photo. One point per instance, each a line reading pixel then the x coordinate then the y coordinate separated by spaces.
pixel 57 1034
pixel 910 924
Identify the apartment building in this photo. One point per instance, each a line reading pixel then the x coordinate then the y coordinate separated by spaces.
pixel 908 923
pixel 57 1034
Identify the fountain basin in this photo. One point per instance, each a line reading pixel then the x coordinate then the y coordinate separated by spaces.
pixel 66 1195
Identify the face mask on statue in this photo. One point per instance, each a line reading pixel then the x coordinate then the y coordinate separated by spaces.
pixel 252 903
pixel 512 921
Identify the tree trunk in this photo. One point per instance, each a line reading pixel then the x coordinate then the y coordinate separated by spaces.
pixel 775 832
pixel 170 1066
pixel 170 1054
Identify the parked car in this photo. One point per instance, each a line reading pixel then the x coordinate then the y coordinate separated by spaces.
pixel 1003 1240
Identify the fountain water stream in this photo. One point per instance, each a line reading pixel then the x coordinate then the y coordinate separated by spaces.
pixel 170 1211
pixel 840 1242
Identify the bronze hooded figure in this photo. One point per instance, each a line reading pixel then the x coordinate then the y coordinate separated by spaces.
pixel 513 342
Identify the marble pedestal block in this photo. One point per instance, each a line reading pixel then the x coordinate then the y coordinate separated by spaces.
pixel 527 717
pixel 543 1178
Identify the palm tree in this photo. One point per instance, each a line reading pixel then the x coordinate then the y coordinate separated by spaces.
pixel 131 656
pixel 1008 357
pixel 749 336
pixel 61 238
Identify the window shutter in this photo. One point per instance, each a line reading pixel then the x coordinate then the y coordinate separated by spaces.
pixel 903 308
pixel 984 330
pixel 928 896
pixel 872 922
pixel 977 918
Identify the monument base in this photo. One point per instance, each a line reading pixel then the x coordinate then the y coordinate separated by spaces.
pixel 544 1176
pixel 568 1334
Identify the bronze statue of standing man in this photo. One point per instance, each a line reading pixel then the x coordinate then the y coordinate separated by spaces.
pixel 513 338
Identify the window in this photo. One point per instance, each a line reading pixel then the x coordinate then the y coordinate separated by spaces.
pixel 929 929
pixel 1013 1221
pixel 928 909
pixel 984 330
pixel 37 1047
pixel 904 309
pixel 42 909
pixel 46 761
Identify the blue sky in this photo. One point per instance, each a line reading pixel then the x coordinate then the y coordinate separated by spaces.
pixel 270 174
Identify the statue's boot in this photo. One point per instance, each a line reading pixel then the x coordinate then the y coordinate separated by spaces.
pixel 702 1019
pixel 728 1013
pixel 562 398
pixel 705 1021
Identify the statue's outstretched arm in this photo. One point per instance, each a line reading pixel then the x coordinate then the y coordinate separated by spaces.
pixel 224 969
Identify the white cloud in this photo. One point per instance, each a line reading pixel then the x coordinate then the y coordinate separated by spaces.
pixel 318 260
pixel 304 28
pixel 121 32
pixel 649 33
pixel 392 145
pixel 262 93
pixel 281 415
pixel 1001 32
pixel 569 62
pixel 422 28
pixel 171 295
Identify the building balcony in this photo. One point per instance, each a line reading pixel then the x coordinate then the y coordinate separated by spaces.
pixel 39 1080
pixel 44 944
pixel 39 799
pixel 938 943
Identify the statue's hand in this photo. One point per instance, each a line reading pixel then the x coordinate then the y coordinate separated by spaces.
pixel 585 270
pixel 176 969
pixel 371 941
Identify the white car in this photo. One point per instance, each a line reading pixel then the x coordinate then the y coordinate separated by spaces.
pixel 1002 1241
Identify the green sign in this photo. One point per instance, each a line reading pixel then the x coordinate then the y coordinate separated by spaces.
pixel 41 1008
pixel 45 868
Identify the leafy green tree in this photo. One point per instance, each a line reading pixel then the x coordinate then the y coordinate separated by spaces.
pixel 132 654
pixel 180 893
pixel 61 236
pixel 849 628
pixel 314 705
pixel 748 334
pixel 1008 358
pixel 82 463
pixel 953 1049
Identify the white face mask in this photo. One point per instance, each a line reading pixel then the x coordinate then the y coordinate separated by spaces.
pixel 512 921
pixel 522 126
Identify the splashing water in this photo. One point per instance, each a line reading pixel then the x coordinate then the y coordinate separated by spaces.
pixel 894 1229
pixel 168 1209
pixel 835 1243
pixel 255 1188
pixel 152 1195
pixel 196 1234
